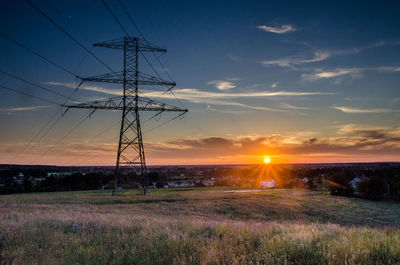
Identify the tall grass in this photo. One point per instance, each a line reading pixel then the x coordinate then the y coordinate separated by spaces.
pixel 196 228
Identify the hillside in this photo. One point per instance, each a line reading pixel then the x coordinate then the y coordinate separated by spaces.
pixel 197 226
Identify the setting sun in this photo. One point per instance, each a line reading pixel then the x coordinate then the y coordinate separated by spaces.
pixel 267 160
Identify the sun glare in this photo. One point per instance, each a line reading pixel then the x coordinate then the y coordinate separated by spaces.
pixel 267 160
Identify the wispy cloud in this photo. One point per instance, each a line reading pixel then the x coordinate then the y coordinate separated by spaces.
pixel 289 106
pixel 320 74
pixel 213 98
pixel 222 85
pixel 235 104
pixel 33 108
pixel 319 55
pixel 352 72
pixel 360 49
pixel 86 87
pixel 192 93
pixel 233 78
pixel 235 58
pixel 292 62
pixel 279 30
pixel 362 111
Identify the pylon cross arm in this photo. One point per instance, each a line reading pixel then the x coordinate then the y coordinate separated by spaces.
pixel 117 103
pixel 143 79
pixel 130 43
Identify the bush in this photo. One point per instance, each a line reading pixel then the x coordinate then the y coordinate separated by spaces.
pixel 374 188
pixel 339 185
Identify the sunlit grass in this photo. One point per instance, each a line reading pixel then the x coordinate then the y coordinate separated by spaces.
pixel 196 227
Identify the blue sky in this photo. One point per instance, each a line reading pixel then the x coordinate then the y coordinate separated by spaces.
pixel 311 81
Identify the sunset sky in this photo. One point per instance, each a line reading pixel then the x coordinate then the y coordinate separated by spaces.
pixel 300 81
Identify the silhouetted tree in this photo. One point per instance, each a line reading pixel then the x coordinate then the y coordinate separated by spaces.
pixel 339 184
pixel 375 188
pixel 27 185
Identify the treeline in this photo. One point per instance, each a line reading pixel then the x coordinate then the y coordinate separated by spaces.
pixel 75 181
pixel 378 184
pixel 38 181
pixel 379 181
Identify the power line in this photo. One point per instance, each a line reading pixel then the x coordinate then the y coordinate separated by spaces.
pixel 68 34
pixel 126 32
pixel 68 20
pixel 98 135
pixel 65 136
pixel 92 157
pixel 161 124
pixel 29 95
pixel 113 138
pixel 152 67
pixel 141 34
pixel 33 84
pixel 180 102
pixel 155 30
pixel 37 54
pixel 131 19
pixel 116 19
pixel 29 146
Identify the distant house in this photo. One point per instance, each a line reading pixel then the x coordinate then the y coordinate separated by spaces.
pixel 60 174
pixel 208 182
pixel 19 179
pixel 356 181
pixel 175 184
pixel 267 183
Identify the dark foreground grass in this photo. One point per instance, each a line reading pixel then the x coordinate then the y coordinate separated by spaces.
pixel 205 227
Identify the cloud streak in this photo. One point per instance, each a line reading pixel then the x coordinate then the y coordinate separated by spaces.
pixel 279 30
pixel 292 62
pixel 362 111
pixel 222 85
pixel 33 108
pixel 319 55
pixel 207 97
pixel 89 88
pixel 352 72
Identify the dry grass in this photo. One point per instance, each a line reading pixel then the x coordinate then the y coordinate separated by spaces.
pixel 197 227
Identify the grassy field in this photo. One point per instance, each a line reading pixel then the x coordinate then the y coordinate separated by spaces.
pixel 197 226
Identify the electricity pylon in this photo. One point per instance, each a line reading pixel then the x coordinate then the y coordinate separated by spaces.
pixel 130 145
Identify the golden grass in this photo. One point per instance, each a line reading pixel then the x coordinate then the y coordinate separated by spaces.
pixel 197 227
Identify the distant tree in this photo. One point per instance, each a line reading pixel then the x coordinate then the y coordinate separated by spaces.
pixel 74 181
pixel 393 178
pixel 92 181
pixel 339 184
pixel 374 188
pixel 50 184
pixel 153 176
pixel 27 185
pixel 395 187
pixel 221 182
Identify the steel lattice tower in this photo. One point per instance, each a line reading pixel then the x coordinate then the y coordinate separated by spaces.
pixel 130 145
